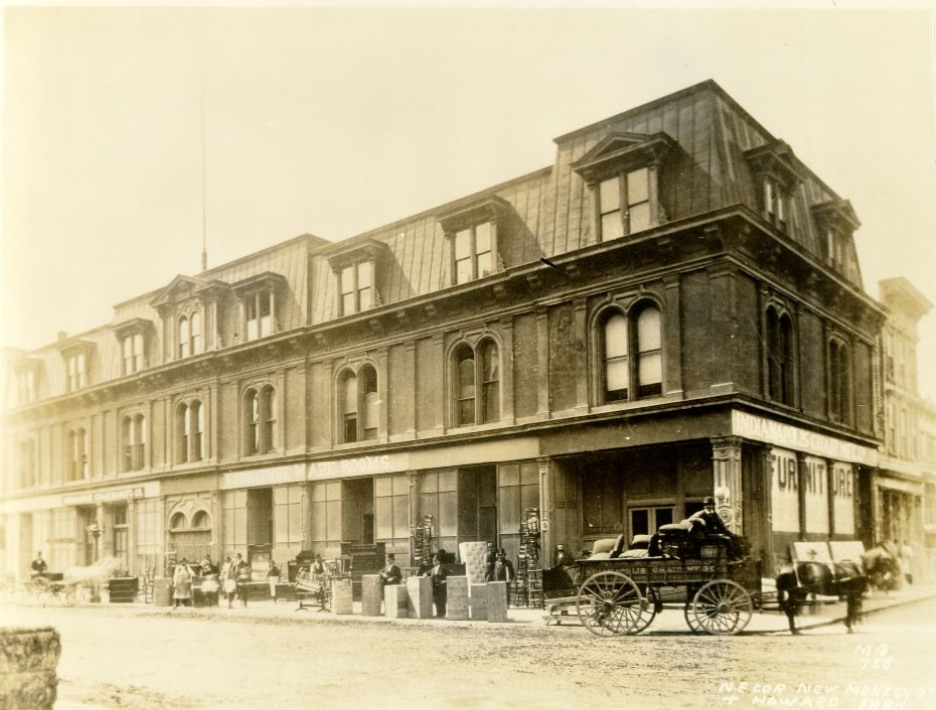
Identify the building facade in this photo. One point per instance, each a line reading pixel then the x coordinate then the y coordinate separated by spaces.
pixel 672 309
pixel 904 494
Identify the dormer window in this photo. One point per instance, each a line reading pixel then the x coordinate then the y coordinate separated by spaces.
pixel 777 172
pixel 357 288
pixel 623 172
pixel 473 231
pixel 132 338
pixel 26 381
pixel 190 335
pixel 259 299
pixel 76 355
pixel 473 252
pixel 837 221
pixel 357 267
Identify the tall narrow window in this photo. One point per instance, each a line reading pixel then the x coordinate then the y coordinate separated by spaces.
pixel 258 308
pixel 839 382
pixel 185 338
pixel 617 367
pixel 77 451
pixel 490 382
pixel 26 462
pixel 134 442
pixel 252 412
pixel 465 386
pixel 132 353
pixel 780 357
pixel 268 417
pixel 775 203
pixel 196 333
pixel 349 390
pixel 191 426
pixel 370 402
pixel 77 371
pixel 649 353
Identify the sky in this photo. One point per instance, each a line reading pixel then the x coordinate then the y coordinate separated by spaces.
pixel 131 134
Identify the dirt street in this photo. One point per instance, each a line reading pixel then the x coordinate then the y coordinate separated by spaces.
pixel 198 659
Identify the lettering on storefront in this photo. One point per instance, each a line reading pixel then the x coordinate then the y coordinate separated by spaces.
pixel 843 498
pixel 815 494
pixel 358 466
pixel 784 491
pixel 757 428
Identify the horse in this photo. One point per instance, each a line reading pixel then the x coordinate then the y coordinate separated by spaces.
pixel 882 568
pixel 92 577
pixel 846 579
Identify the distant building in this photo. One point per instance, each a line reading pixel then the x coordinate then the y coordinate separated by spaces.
pixel 904 501
pixel 672 309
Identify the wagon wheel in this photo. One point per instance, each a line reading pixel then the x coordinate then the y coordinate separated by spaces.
pixel 653 604
pixel 720 607
pixel 609 603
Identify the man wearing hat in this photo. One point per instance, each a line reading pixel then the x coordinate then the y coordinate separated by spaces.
pixel 391 574
pixel 563 558
pixel 710 518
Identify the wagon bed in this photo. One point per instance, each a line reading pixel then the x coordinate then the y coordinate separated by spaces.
pixel 623 595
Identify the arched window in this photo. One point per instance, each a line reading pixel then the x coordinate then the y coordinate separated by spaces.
pixel 649 353
pixel 185 345
pixel 201 519
pixel 472 368
pixel 780 357
pixel 369 405
pixel 359 404
pixel 177 521
pixel 191 427
pixel 133 434
pixel 631 354
pixel 490 381
pixel 260 421
pixel 839 382
pixel 190 335
pixel 464 386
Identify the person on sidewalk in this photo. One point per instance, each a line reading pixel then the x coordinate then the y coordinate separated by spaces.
pixel 242 579
pixel 391 574
pixel 273 577
pixel 181 585
pixel 439 589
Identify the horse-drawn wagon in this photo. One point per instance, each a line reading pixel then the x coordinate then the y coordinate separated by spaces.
pixel 622 594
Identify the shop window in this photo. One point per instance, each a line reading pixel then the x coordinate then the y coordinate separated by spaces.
pixel 840 382
pixel 391 507
pixel 190 424
pixel 780 357
pixel 359 404
pixel 472 366
pixel 133 435
pixel 260 420
pixel 631 355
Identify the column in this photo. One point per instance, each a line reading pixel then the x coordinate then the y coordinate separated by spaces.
pixel 542 362
pixel 507 371
pixel 726 459
pixel 546 510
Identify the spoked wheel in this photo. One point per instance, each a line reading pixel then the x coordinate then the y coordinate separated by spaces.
pixel 651 598
pixel 609 604
pixel 720 607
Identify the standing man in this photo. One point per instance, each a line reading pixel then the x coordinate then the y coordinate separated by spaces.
pixel 230 579
pixel 490 557
pixel 38 567
pixel 439 589
pixel 273 577
pixel 241 578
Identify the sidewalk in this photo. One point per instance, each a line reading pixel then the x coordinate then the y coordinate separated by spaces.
pixel 825 612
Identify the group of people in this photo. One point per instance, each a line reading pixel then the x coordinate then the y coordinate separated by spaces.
pixel 229 582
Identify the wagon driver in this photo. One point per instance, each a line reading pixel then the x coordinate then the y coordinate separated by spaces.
pixel 38 567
